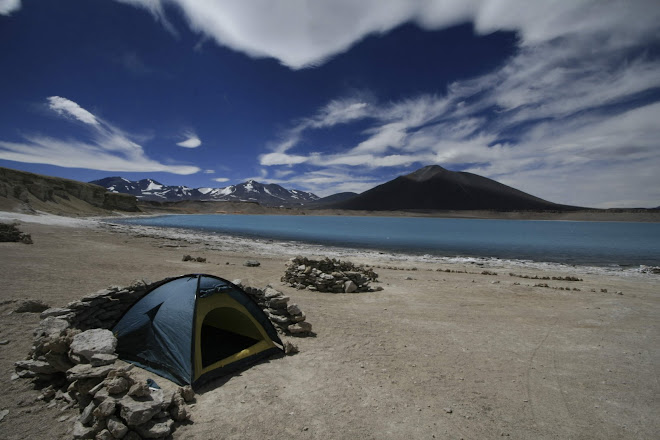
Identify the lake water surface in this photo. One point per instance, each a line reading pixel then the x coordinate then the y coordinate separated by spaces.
pixel 579 243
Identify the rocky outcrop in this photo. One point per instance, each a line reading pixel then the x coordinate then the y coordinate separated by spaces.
pixel 329 275
pixel 35 189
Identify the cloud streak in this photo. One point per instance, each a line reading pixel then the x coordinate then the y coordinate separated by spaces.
pixel 109 150
pixel 69 108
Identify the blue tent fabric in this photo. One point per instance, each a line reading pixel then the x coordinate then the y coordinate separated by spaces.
pixel 157 332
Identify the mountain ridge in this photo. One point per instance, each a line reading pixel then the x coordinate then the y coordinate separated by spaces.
pixel 435 188
pixel 248 191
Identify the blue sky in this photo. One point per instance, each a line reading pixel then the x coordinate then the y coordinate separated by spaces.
pixel 560 99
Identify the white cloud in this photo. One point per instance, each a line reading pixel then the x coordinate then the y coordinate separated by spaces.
pixel 110 149
pixel 221 179
pixel 270 159
pixel 301 33
pixel 192 140
pixel 208 171
pixel 9 6
pixel 69 108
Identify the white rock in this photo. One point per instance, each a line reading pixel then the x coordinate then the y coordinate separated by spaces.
pixel 91 342
pixel 350 287
pixel 300 327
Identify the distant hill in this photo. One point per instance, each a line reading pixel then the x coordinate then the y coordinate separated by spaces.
pixel 435 188
pixel 329 200
pixel 250 191
pixel 29 192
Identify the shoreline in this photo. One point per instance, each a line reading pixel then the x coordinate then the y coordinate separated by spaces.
pixel 632 215
pixel 291 248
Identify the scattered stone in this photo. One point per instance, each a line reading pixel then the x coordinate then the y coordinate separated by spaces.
pixel 179 410
pixel 104 435
pixel 448 410
pixel 3 414
pixel 290 348
pixel 105 409
pixel 100 359
pixel 252 263
pixel 350 287
pixel 293 309
pixel 279 302
pixel 55 311
pixel 187 393
pixel 137 412
pixel 116 427
pixel 92 342
pixel 155 429
pixel 31 306
pixel 4 342
pixel 34 366
pixel 86 371
pixel 81 431
pixel 117 385
pixel 86 416
pixel 300 327
pixel 139 389
pixel 298 318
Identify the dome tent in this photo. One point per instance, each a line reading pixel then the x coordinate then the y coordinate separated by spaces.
pixel 193 328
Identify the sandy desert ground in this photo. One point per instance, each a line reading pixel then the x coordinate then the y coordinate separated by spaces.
pixel 434 355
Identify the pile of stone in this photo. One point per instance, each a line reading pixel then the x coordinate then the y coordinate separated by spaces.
pixel 10 232
pixel 82 369
pixel 73 359
pixel 286 317
pixel 329 275
pixel 101 309
pixel 195 259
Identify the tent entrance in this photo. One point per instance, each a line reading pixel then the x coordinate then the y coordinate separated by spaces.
pixel 225 332
pixel 213 350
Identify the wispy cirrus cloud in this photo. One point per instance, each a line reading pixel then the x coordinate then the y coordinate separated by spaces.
pixel 110 148
pixel 572 105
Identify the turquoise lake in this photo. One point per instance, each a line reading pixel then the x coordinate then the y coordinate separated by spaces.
pixel 578 243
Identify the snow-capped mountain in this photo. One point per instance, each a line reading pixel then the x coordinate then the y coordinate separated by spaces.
pixel 250 191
